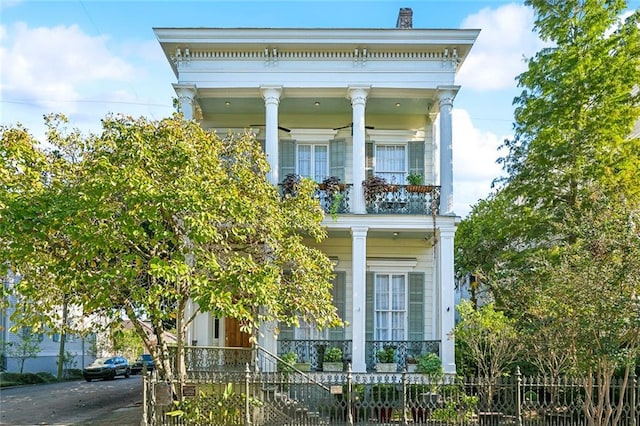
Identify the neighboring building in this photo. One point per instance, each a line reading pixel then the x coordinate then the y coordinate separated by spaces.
pixel 349 103
pixel 81 350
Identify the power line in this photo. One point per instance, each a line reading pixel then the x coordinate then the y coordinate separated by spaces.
pixel 92 101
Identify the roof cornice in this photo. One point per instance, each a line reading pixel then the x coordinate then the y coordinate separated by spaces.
pixel 317 36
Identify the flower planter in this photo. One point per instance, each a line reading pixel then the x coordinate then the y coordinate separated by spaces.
pixel 422 189
pixel 386 367
pixel 331 366
pixel 303 366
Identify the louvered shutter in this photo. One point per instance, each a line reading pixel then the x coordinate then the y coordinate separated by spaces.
pixel 337 158
pixel 339 301
pixel 287 158
pixel 369 153
pixel 416 306
pixel 368 320
pixel 416 158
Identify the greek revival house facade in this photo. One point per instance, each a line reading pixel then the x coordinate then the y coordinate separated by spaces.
pixel 347 104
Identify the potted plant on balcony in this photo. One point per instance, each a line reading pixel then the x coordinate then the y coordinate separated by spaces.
pixel 374 187
pixel 412 364
pixel 334 194
pixel 290 185
pixel 414 181
pixel 332 360
pixel 386 360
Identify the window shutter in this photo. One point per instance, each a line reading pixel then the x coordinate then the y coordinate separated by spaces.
pixel 416 158
pixel 416 306
pixel 368 321
pixel 287 157
pixel 339 301
pixel 369 153
pixel 337 158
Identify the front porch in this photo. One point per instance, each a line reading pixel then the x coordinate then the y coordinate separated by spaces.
pixel 200 360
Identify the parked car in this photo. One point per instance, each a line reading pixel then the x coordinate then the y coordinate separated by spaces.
pixel 141 361
pixel 107 368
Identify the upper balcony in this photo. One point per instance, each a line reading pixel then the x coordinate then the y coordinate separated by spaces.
pixel 391 199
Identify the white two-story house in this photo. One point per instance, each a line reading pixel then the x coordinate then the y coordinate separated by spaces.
pixel 349 104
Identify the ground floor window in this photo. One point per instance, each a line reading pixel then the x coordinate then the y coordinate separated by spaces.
pixel 390 306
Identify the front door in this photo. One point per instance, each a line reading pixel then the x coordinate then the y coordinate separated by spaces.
pixel 233 337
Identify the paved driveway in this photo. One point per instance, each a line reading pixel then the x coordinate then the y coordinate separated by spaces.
pixel 111 402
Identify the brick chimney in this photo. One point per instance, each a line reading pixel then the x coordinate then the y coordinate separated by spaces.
pixel 405 18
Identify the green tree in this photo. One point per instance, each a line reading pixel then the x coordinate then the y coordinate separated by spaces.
pixel 154 214
pixel 490 341
pixel 565 216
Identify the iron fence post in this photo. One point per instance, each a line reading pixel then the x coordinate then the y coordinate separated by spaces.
pixel 518 397
pixel 634 398
pixel 247 414
pixel 405 419
pixel 145 391
pixel 349 389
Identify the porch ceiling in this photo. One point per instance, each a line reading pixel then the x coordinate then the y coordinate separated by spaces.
pixel 316 110
pixel 390 234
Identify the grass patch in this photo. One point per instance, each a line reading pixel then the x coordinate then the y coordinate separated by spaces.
pixel 15 379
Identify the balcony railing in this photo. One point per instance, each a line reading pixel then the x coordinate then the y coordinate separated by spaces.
pixel 312 351
pixel 397 199
pixel 405 199
pixel 403 350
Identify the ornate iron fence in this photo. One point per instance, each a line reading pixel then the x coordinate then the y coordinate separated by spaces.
pixel 291 398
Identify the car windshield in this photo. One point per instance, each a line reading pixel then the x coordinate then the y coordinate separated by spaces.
pixel 147 357
pixel 102 361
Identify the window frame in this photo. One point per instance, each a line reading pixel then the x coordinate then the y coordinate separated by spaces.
pixel 390 310
pixel 313 145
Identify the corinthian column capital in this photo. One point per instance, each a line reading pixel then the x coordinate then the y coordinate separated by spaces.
pixel 271 94
pixel 358 95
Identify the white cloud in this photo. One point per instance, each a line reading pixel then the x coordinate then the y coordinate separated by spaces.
pixel 47 65
pixel 474 158
pixel 505 39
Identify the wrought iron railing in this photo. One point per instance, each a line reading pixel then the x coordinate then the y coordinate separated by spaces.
pixel 265 399
pixel 396 199
pixel 403 350
pixel 312 351
pixel 335 202
pixel 200 360
pixel 405 199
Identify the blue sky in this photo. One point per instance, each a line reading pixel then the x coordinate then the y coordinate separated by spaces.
pixel 87 58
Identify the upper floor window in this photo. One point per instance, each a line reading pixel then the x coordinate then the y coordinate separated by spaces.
pixel 313 161
pixel 390 306
pixel 391 163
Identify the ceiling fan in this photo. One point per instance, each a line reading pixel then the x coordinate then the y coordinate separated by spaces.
pixel 351 125
pixel 284 129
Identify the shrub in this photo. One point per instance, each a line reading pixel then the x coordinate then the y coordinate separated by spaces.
pixel 333 355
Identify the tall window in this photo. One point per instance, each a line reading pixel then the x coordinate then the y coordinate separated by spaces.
pixel 313 161
pixel 390 307
pixel 391 163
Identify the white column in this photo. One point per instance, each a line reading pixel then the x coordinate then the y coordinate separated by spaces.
pixel 446 288
pixel 186 96
pixel 359 272
pixel 445 97
pixel 358 97
pixel 271 97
